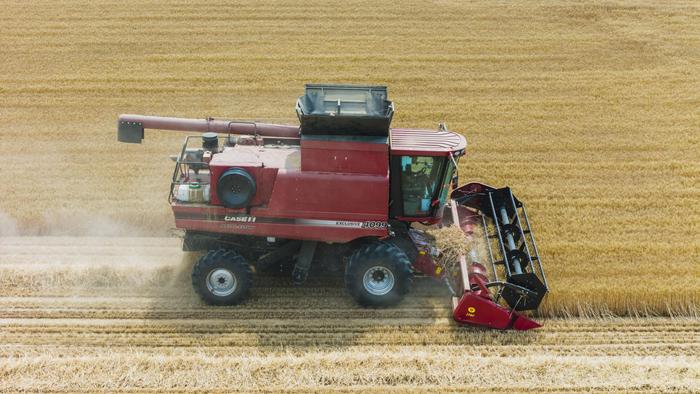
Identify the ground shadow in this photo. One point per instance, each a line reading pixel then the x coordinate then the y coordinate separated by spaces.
pixel 319 314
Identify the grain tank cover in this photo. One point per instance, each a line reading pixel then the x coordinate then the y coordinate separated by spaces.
pixel 345 110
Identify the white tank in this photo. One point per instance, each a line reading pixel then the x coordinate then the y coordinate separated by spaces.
pixel 192 192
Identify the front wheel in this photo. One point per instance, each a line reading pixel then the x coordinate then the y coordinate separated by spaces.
pixel 378 274
pixel 222 277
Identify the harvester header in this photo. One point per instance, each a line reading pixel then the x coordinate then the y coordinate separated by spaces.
pixel 344 188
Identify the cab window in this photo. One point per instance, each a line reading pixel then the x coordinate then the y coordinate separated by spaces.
pixel 420 179
pixel 447 183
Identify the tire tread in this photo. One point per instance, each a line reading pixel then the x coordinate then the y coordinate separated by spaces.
pixel 220 258
pixel 392 256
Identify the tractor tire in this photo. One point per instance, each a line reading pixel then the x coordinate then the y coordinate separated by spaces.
pixel 378 275
pixel 222 277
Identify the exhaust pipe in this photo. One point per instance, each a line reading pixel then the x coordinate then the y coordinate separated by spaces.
pixel 130 127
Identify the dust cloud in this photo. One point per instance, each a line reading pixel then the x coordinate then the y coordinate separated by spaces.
pixel 8 225
pixel 76 223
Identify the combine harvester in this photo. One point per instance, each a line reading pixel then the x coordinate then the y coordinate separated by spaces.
pixel 345 188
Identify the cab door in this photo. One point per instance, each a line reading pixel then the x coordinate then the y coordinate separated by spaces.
pixel 418 185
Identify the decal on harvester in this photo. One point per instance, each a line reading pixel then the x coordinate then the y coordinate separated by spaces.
pixel 471 311
pixel 242 219
pixel 236 226
pixel 373 224
pixel 239 219
pixel 342 223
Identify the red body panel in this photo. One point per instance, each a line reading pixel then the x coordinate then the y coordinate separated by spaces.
pixel 345 157
pixel 325 189
pixel 317 195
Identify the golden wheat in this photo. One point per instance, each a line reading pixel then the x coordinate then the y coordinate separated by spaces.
pixel 588 110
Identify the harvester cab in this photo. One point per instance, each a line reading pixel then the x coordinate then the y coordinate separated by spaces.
pixel 345 188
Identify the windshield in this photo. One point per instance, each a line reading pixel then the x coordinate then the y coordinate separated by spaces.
pixel 421 177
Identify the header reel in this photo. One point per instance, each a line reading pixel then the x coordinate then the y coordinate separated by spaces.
pixel 517 274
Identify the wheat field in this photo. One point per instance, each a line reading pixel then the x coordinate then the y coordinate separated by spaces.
pixel 589 111
pixel 93 314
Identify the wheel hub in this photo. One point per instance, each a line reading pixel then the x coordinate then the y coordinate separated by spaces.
pixel 221 282
pixel 378 280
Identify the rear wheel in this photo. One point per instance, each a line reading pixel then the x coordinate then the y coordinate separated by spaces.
pixel 222 277
pixel 378 274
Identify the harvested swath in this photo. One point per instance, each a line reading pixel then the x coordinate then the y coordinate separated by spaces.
pixel 117 336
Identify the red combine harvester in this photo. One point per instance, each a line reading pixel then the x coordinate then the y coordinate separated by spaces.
pixel 345 188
